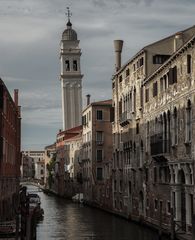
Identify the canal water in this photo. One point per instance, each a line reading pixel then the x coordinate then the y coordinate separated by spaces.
pixel 64 220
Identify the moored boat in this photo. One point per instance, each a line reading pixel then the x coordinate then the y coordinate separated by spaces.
pixel 35 205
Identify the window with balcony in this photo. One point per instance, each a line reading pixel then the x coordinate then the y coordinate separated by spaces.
pixel 99 137
pixel 99 115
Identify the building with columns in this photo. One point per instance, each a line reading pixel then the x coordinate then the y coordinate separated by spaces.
pixel 71 78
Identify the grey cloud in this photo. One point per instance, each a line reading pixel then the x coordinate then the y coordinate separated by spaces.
pixel 29 43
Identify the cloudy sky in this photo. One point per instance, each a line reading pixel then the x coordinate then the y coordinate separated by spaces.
pixel 30 32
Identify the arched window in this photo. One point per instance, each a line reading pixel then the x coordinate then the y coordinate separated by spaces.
pixel 175 127
pixel 67 65
pixel 75 67
pixel 188 122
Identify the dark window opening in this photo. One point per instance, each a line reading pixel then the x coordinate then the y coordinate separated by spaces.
pixel 160 59
pixel 147 95
pixel 67 65
pixel 155 89
pixel 99 174
pixel 75 68
pixel 99 115
pixel 189 60
pixel 127 72
pixel 99 155
pixel 137 128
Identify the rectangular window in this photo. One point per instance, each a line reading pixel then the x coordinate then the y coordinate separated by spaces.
pixel 114 185
pixel 137 128
pixel 99 174
pixel 99 115
pixel 160 59
pixel 175 74
pixel 67 65
pixel 147 95
pixel 121 186
pixel 99 136
pixel 156 204
pixel 112 114
pixel 99 155
pixel 155 89
pixel 168 207
pixel 172 75
pixel 84 120
pixel 127 72
pixel 155 174
pixel 120 78
pixel 189 60
pixel 141 61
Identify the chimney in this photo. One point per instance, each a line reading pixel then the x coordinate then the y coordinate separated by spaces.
pixel 16 97
pixel 118 45
pixel 178 41
pixel 88 99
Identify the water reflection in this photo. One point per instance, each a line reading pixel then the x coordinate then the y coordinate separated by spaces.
pixel 64 220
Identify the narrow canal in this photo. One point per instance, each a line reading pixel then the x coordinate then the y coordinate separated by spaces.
pixel 64 220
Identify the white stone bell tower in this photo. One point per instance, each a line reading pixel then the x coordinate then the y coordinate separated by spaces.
pixel 71 77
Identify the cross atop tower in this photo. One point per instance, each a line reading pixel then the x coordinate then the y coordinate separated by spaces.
pixel 68 14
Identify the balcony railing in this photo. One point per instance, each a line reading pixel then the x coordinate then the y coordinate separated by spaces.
pixel 99 143
pixel 158 145
pixel 125 118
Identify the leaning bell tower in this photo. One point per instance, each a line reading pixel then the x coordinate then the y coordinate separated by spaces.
pixel 70 77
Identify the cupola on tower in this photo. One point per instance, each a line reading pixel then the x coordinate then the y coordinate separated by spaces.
pixel 71 77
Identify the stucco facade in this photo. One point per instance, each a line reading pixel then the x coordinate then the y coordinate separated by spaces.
pixel 153 163
pixel 97 153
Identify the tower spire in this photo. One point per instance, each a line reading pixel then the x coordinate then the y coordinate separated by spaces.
pixel 68 14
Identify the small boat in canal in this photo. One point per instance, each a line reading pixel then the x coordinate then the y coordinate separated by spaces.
pixel 35 205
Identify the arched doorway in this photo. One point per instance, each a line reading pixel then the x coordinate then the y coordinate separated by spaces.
pixel 181 181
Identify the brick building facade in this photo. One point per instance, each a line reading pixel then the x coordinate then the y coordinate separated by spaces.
pixel 9 153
